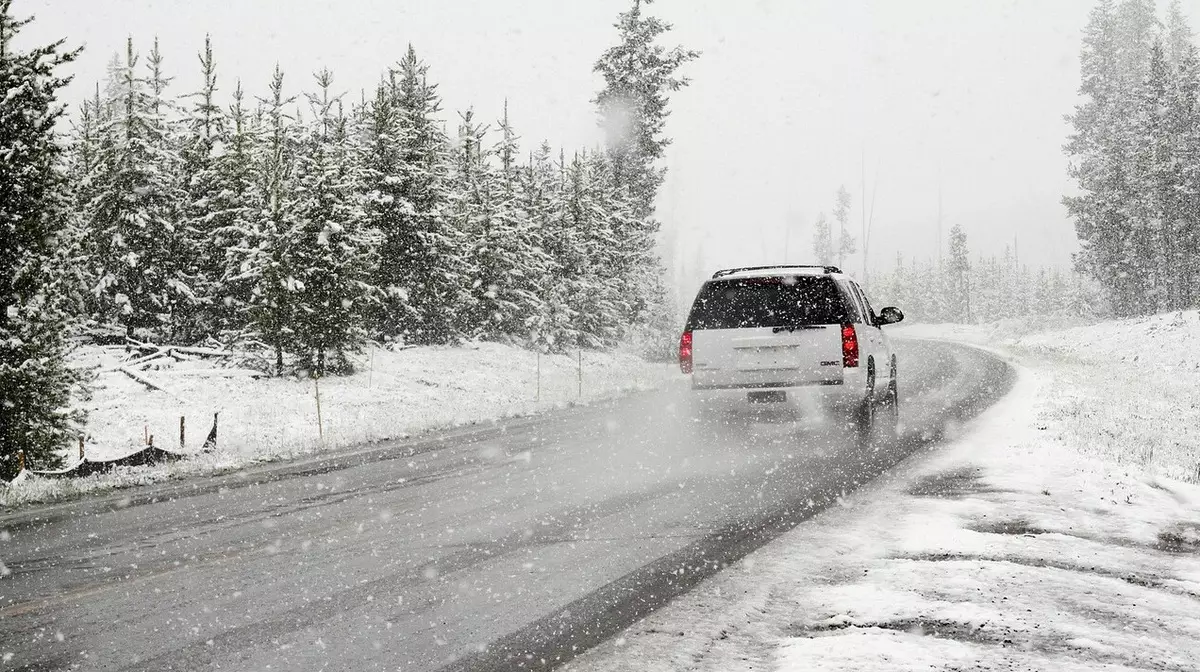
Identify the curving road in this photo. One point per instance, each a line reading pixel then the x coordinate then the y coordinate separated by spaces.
pixel 509 547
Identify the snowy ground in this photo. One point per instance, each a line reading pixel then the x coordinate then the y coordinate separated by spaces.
pixel 1060 532
pixel 393 395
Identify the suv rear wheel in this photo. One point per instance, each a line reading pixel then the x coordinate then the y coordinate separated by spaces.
pixel 888 418
pixel 864 416
pixel 863 421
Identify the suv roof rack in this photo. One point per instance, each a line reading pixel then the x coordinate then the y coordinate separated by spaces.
pixel 730 271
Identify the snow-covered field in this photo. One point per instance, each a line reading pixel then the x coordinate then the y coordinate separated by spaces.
pixel 1060 532
pixel 394 394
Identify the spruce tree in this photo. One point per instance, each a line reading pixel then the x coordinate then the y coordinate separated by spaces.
pixel 1098 150
pixel 1185 113
pixel 265 261
pixel 639 76
pixel 135 237
pixel 204 139
pixel 83 149
pixel 958 267
pixel 846 245
pixel 506 259
pixel 1154 177
pixel 330 247
pixel 1178 35
pixel 388 208
pixel 234 208
pixel 542 197
pixel 428 254
pixel 36 384
pixel 594 288
pixel 525 267
pixel 82 166
pixel 823 241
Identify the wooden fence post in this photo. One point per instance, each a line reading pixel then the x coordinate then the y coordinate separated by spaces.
pixel 320 424
pixel 182 426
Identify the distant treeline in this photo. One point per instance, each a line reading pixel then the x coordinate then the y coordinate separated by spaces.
pixel 988 289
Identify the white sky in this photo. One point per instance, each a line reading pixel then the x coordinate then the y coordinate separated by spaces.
pixel 784 101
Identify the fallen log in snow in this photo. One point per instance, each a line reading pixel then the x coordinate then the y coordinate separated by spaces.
pixel 217 372
pixel 150 383
pixel 137 362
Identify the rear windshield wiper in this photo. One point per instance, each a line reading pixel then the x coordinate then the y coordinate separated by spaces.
pixel 793 327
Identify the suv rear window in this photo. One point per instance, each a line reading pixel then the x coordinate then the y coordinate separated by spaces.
pixel 767 302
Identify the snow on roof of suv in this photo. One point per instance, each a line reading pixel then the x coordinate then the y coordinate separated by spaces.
pixel 767 271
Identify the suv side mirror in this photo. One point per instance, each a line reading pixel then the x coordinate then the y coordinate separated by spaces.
pixel 890 315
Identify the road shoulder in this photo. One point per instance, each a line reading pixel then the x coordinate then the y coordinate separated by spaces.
pixel 1021 544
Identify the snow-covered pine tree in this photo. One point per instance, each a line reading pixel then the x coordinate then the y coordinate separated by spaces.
pixel 639 76
pixel 958 267
pixel 181 246
pixel 917 307
pixel 542 194
pixel 1112 221
pixel 204 137
pixel 595 286
pixel 330 250
pixel 529 266
pixel 984 289
pixel 134 237
pixel 429 255
pixel 266 261
pixel 1136 28
pixel 1004 280
pixel 625 259
pixel 506 259
pixel 1039 298
pixel 1149 179
pixel 1024 286
pixel 1178 36
pixel 83 163
pixel 235 207
pixel 388 209
pixel 470 213
pixel 1185 113
pixel 632 262
pixel 1095 154
pixel 1057 294
pixel 895 288
pixel 83 148
pixel 846 245
pixel 823 241
pixel 36 383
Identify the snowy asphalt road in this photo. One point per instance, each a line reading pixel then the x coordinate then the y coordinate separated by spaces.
pixel 487 549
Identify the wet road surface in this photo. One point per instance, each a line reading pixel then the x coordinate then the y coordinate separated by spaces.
pixel 515 546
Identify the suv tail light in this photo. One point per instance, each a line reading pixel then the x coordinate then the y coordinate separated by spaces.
pixel 685 352
pixel 849 346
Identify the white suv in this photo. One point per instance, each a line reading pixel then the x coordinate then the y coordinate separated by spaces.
pixel 796 336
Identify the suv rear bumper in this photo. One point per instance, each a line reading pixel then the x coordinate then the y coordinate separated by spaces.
pixel 839 396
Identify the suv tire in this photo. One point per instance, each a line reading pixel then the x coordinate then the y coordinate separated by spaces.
pixel 888 419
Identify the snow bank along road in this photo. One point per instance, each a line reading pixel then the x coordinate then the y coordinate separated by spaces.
pixel 513 547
